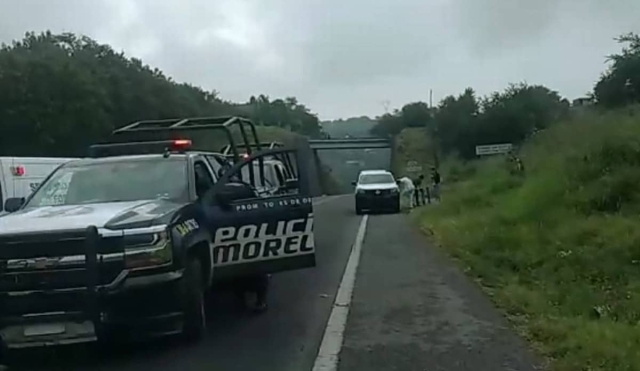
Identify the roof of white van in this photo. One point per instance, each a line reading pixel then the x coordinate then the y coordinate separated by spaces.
pixel 31 159
pixel 123 158
pixel 374 172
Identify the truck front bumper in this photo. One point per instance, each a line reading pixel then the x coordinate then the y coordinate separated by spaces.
pixel 133 307
pixel 73 286
pixel 388 201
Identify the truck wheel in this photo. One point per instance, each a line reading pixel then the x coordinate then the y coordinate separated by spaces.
pixel 195 323
pixel 9 358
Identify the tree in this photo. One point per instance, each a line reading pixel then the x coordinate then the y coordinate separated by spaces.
pixel 61 93
pixel 287 113
pixel 354 127
pixel 416 114
pixel 458 124
pixel 388 125
pixel 455 123
pixel 513 115
pixel 620 84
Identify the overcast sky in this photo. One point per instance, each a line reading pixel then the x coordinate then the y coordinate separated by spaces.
pixel 347 57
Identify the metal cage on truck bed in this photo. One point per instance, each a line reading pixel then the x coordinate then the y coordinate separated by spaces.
pixel 186 126
pixel 153 136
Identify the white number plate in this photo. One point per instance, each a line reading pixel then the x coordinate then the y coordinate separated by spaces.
pixel 45 329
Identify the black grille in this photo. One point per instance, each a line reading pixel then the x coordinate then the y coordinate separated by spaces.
pixel 42 302
pixel 379 192
pixel 52 261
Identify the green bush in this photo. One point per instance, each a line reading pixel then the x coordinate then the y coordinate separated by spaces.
pixel 558 249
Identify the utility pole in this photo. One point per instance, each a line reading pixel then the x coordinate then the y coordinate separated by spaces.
pixel 385 104
pixel 434 140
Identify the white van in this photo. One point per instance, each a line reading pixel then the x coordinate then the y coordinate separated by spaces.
pixel 19 176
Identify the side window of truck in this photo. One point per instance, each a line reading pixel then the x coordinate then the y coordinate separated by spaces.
pixel 204 180
pixel 216 165
pixel 280 175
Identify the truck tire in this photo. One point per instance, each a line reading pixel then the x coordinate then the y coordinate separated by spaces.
pixel 358 209
pixel 195 321
pixel 9 358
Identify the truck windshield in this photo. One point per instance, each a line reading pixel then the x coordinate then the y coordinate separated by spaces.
pixel 133 180
pixel 376 178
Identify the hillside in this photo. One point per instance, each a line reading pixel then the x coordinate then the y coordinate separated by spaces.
pixel 354 127
pixel 108 90
pixel 557 248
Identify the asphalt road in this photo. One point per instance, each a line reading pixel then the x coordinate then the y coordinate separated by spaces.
pixel 412 310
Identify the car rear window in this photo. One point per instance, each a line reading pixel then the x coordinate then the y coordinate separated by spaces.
pixel 376 178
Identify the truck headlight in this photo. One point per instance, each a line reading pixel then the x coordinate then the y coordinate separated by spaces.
pixel 359 191
pixel 147 250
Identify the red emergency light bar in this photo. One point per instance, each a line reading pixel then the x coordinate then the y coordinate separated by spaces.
pixel 133 148
pixel 17 170
pixel 181 143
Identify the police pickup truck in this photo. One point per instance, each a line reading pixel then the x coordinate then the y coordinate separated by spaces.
pixel 128 241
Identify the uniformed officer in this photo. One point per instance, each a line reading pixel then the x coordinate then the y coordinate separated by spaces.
pixel 257 284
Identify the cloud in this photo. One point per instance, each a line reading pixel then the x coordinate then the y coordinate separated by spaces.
pixel 345 58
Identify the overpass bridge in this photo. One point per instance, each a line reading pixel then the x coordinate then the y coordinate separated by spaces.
pixel 342 159
pixel 369 143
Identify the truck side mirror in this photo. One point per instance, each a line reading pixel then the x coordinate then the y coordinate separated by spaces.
pixel 13 204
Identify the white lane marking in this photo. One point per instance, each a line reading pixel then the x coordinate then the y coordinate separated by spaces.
pixel 327 359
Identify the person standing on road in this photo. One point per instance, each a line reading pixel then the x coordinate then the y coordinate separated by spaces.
pixel 257 284
pixel 406 192
pixel 419 191
pixel 435 177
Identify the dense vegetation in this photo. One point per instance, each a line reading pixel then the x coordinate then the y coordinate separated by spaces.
pixel 460 123
pixel 60 93
pixel 557 247
pixel 354 127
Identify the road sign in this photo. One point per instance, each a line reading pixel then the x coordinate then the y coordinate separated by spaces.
pixel 493 149
pixel 413 167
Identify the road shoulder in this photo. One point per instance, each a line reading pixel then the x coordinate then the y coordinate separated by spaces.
pixel 412 309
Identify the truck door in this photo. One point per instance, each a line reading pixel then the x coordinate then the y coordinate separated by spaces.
pixel 256 235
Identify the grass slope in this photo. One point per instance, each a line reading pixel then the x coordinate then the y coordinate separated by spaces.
pixel 558 249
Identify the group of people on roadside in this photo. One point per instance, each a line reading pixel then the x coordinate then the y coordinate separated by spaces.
pixel 415 193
